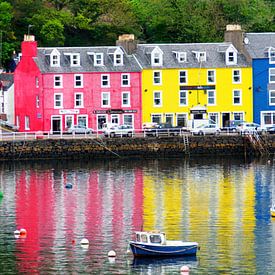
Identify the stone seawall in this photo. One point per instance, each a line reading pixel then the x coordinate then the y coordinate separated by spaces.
pixel 126 147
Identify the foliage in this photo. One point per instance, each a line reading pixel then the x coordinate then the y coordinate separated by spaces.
pixel 99 22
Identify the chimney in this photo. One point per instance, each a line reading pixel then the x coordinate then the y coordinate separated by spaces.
pixel 128 42
pixel 235 35
pixel 29 46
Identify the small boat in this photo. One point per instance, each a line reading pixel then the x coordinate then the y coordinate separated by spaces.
pixel 154 244
pixel 272 211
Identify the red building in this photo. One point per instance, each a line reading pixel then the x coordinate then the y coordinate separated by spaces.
pixel 55 88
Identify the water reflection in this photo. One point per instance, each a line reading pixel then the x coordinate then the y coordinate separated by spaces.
pixel 221 203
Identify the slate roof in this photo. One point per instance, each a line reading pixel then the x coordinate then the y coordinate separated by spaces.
pixel 215 56
pixel 86 64
pixel 258 43
pixel 6 80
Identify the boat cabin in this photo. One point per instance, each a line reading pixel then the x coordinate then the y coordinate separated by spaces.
pixel 151 237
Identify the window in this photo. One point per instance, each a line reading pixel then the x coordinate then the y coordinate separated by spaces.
pixel 75 59
pixel 182 77
pixel 183 98
pixel 201 56
pixel 211 76
pixel 78 100
pixel 181 56
pixel 55 58
pixel 36 82
pixel 58 83
pixel 82 120
pixel 214 117
pixel 156 118
pixel 157 78
pixel 272 75
pixel 238 116
pixel 271 55
pixel 236 76
pixel 182 120
pixel 27 123
pixel 58 101
pixel 98 59
pixel 128 120
pixel 268 118
pixel 105 99
pixel 169 118
pixel 115 119
pixel 69 121
pixel 105 80
pixel 211 97
pixel 101 119
pixel 272 97
pixel 78 81
pixel 157 99
pixel 237 97
pixel 125 80
pixel 156 57
pixel 118 60
pixel 126 99
pixel 231 58
pixel 37 100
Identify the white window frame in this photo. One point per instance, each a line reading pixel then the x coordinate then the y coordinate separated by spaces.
pixel 209 76
pixel 107 80
pixel 156 115
pixel 182 57
pixel 98 59
pixel 271 97
pixel 185 77
pixel 103 98
pixel 183 97
pixel 115 119
pixel 215 114
pixel 160 98
pixel 81 100
pixel 75 59
pixel 128 104
pixel 82 116
pixel 271 75
pixel 128 80
pixel 233 97
pixel 132 119
pixel 55 81
pixel 55 100
pixel 239 113
pixel 118 59
pixel 27 123
pixel 156 57
pixel 80 80
pixel 55 58
pixel 239 76
pixel 67 117
pixel 157 77
pixel 37 100
pixel 271 55
pixel 211 97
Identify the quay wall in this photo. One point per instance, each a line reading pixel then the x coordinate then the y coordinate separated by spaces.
pixel 127 147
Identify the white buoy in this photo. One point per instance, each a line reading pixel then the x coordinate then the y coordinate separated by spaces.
pixel 23 232
pixel 111 253
pixel 16 233
pixel 84 241
pixel 184 269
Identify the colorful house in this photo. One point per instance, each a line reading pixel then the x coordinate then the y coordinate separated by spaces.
pixel 63 86
pixel 261 47
pixel 187 82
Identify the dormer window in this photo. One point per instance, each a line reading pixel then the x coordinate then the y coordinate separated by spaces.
pixel 74 59
pixel 157 57
pixel 231 56
pixel 118 57
pixel 200 56
pixel 55 58
pixel 96 58
pixel 181 56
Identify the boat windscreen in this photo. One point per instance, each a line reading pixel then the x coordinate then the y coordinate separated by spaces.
pixel 155 239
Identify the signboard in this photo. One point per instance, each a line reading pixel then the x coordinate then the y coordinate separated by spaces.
pixel 68 112
pixel 114 111
pixel 201 87
pixel 198 112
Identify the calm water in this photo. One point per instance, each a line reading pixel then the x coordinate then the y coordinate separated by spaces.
pixel 221 203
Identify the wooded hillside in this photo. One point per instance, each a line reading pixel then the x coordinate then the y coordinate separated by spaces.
pixel 99 22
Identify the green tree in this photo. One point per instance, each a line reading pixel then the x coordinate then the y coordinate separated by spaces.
pixel 53 33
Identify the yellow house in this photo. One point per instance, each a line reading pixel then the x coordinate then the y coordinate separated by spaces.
pixel 183 82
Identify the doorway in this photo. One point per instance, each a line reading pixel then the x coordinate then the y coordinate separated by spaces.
pixel 56 124
pixel 225 119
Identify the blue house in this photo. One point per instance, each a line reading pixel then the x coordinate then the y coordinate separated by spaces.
pixel 261 48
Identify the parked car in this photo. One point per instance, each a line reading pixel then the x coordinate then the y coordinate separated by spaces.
pixel 120 130
pixel 80 129
pixel 270 130
pixel 162 129
pixel 249 127
pixel 210 129
pixel 231 126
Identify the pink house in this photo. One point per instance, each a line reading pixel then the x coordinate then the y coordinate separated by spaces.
pixel 55 88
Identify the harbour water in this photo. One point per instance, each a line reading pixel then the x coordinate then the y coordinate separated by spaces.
pixel 221 203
